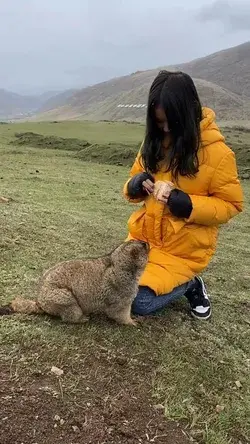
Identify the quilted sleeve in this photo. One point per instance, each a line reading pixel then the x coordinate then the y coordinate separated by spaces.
pixel 226 197
pixel 136 169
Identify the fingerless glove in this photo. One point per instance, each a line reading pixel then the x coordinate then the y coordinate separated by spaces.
pixel 135 189
pixel 180 204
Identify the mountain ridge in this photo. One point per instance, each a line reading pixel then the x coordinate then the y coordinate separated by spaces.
pixel 222 80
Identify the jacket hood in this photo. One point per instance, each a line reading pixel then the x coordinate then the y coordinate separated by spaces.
pixel 210 132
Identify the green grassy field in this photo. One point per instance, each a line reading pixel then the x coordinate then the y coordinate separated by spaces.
pixel 94 132
pixel 62 208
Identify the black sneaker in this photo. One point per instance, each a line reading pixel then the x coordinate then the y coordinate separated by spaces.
pixel 199 300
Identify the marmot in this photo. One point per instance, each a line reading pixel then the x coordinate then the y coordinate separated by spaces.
pixel 75 289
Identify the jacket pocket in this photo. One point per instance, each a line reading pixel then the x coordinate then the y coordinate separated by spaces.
pixel 201 240
pixel 191 242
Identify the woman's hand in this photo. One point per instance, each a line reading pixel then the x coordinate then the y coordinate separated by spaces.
pixel 162 191
pixel 164 198
pixel 148 186
pixel 140 185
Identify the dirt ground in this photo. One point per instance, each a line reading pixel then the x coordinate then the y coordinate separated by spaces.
pixel 107 406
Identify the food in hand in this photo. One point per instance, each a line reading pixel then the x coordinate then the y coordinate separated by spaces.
pixel 162 189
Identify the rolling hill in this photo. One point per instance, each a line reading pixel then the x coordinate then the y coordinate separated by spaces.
pixel 222 79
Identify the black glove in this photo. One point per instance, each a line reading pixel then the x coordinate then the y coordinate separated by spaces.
pixel 135 188
pixel 180 204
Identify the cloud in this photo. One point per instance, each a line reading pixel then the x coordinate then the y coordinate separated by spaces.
pixel 59 44
pixel 234 15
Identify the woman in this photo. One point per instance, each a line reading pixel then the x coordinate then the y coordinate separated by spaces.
pixel 184 148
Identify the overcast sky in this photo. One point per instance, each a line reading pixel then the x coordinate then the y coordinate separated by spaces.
pixel 59 44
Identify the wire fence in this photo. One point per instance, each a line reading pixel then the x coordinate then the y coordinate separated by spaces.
pixel 131 105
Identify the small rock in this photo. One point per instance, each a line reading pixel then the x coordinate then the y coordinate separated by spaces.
pixel 121 360
pixel 219 408
pixel 57 418
pixel 159 407
pixel 246 276
pixel 238 384
pixel 57 371
pixel 62 421
pixel 76 429
pixel 245 176
pixel 4 199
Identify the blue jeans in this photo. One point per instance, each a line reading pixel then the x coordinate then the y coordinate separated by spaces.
pixel 146 301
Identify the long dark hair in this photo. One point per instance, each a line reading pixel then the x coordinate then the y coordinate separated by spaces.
pixel 176 93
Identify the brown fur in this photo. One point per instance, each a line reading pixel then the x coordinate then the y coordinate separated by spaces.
pixel 75 289
pixel 21 305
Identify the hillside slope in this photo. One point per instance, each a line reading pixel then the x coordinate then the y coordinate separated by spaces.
pixel 229 68
pixel 101 102
pixel 56 100
pixel 226 89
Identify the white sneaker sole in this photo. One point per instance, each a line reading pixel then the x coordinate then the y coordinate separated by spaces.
pixel 201 318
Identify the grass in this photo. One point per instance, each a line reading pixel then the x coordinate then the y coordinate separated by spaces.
pixel 64 208
pixel 112 143
pixel 94 132
pixel 109 153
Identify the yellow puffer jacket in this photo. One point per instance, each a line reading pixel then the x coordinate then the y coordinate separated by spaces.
pixel 180 249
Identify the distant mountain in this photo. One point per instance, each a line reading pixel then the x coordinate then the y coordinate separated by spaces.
pixel 15 105
pixel 47 95
pixel 229 68
pixel 222 79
